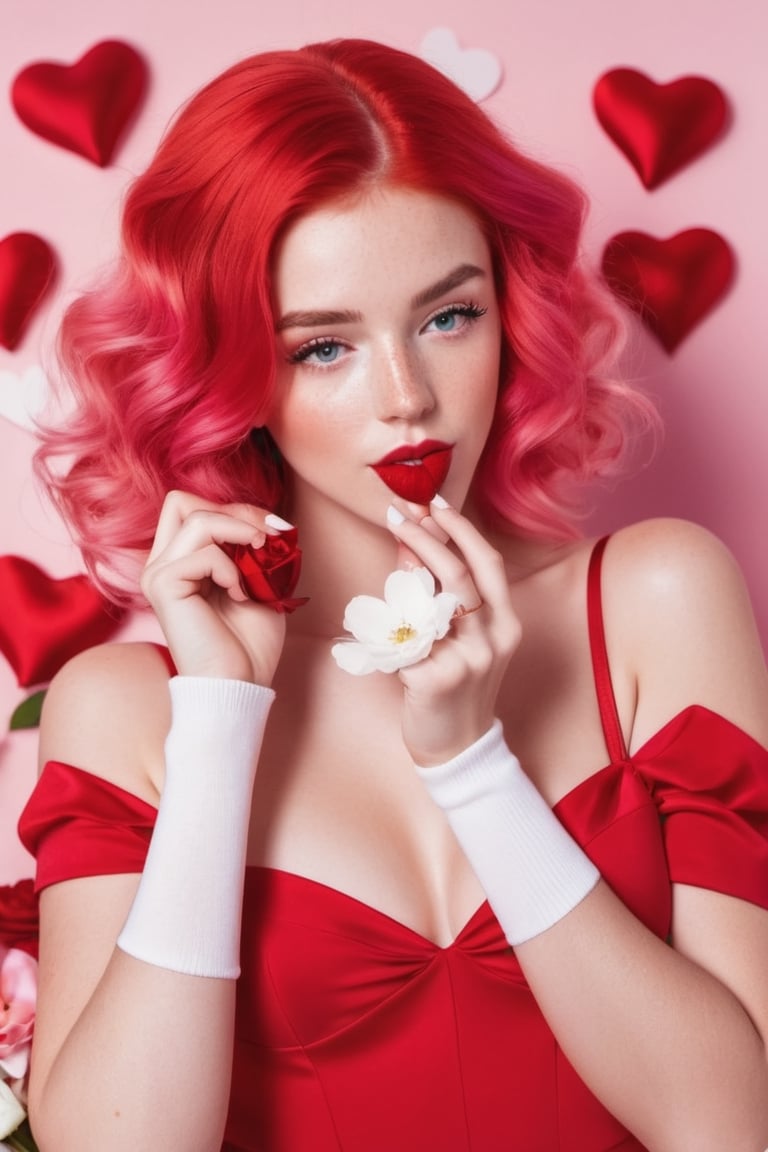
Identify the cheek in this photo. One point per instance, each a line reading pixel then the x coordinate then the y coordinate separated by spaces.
pixel 291 413
pixel 489 375
pixel 292 432
pixel 309 423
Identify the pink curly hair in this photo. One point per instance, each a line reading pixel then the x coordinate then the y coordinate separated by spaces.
pixel 171 359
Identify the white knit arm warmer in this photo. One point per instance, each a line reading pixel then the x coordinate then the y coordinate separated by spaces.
pixel 187 910
pixel 531 869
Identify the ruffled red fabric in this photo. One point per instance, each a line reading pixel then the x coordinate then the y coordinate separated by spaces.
pixel 356 1034
pixel 76 824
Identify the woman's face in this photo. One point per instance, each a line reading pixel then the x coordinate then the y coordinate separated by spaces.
pixel 388 342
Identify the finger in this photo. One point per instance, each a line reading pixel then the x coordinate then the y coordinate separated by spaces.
pixel 462 611
pixel 203 528
pixel 186 575
pixel 406 559
pixel 476 577
pixel 447 566
pixel 421 514
pixel 485 562
pixel 179 506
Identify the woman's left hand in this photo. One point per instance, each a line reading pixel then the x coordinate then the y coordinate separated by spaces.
pixel 450 697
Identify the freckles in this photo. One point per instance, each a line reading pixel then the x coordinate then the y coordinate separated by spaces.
pixel 318 419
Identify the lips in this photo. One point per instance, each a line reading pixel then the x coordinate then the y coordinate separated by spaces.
pixel 416 472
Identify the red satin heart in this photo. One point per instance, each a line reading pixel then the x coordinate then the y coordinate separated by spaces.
pixel 672 284
pixel 44 622
pixel 85 106
pixel 659 127
pixel 27 267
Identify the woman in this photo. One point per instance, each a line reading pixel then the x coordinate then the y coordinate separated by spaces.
pixel 346 303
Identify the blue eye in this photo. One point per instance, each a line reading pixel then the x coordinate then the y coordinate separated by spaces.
pixel 455 317
pixel 319 351
pixel 326 353
pixel 445 321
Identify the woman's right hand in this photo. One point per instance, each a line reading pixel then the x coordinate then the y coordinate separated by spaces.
pixel 211 625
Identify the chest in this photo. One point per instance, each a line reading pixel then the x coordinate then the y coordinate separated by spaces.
pixel 337 800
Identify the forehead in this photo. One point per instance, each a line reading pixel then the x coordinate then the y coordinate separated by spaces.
pixel 384 237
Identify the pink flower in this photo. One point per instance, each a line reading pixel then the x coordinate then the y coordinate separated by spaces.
pixel 18 992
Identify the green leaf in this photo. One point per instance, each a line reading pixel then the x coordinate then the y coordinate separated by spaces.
pixel 27 715
pixel 21 1140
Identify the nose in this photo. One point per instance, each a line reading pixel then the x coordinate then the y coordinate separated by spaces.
pixel 402 388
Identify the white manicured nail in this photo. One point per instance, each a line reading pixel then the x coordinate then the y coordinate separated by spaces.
pixel 277 522
pixel 394 515
pixel 439 501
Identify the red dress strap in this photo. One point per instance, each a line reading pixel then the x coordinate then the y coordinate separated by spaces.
pixel 166 655
pixel 609 716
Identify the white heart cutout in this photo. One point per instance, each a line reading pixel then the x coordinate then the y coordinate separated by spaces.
pixel 475 70
pixel 23 396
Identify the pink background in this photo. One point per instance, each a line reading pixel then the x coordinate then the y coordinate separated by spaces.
pixel 712 391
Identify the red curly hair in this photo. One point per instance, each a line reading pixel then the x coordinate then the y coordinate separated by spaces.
pixel 171 358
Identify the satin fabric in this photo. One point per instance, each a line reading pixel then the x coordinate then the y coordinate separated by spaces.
pixel 46 621
pixel 27 270
pixel 660 128
pixel 356 1034
pixel 673 283
pixel 86 106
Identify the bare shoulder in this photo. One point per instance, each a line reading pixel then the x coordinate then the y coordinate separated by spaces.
pixel 678 610
pixel 676 566
pixel 106 711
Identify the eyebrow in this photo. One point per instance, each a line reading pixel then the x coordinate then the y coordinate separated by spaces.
pixel 327 318
pixel 447 283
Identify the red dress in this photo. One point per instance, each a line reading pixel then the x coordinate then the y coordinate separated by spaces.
pixel 356 1034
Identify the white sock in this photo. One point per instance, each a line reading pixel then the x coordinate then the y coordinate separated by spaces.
pixel 531 869
pixel 187 910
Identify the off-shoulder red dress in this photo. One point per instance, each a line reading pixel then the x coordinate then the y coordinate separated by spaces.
pixel 356 1034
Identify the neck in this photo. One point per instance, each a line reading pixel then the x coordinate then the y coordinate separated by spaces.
pixel 342 556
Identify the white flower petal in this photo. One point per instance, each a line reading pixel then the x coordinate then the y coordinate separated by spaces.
pixel 353 658
pixel 410 594
pixel 393 660
pixel 369 619
pixel 11 1111
pixel 398 631
pixel 425 578
pixel 15 1064
pixel 445 606
pixel 416 651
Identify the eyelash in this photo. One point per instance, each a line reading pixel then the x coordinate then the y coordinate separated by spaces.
pixel 470 311
pixel 305 350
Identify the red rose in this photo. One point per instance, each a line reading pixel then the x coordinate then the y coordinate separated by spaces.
pixel 270 573
pixel 18 916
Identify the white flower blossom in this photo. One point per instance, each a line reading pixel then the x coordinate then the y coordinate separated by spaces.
pixel 397 631
pixel 11 1111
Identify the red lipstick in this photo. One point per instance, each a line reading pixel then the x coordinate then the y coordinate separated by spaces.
pixel 416 472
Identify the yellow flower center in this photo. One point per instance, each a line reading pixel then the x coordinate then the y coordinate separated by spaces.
pixel 401 634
